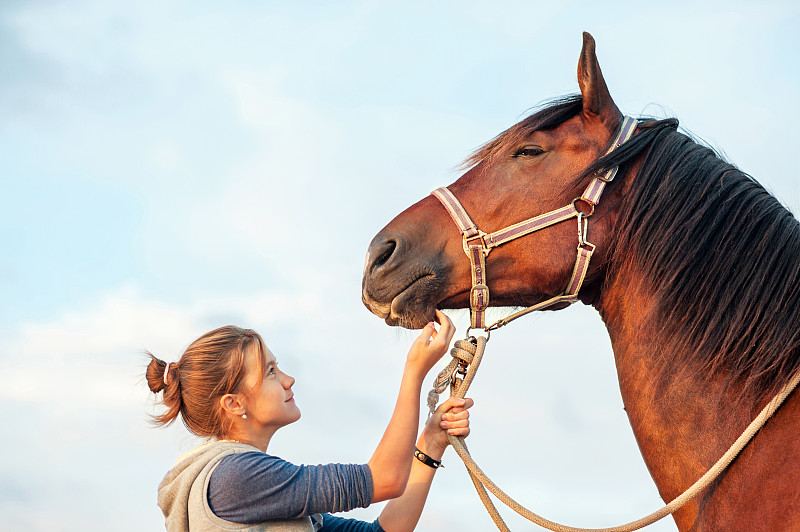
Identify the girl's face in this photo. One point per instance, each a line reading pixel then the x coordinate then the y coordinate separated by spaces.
pixel 271 403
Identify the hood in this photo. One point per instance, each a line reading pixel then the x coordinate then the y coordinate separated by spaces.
pixel 173 492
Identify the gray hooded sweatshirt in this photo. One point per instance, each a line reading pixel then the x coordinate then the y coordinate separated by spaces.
pixel 182 494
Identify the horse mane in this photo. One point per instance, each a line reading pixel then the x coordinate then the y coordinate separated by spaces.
pixel 719 253
pixel 721 256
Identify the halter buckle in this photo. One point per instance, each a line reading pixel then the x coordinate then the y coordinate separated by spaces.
pixel 583 225
pixel 607 176
pixel 479 297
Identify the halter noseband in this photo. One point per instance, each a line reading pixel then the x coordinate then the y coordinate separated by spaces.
pixel 477 244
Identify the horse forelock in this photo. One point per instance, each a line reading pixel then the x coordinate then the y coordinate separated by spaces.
pixel 721 256
pixel 550 115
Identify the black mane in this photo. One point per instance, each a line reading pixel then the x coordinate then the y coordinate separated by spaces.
pixel 720 254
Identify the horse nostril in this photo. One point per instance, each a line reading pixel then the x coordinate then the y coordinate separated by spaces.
pixel 384 252
pixel 379 254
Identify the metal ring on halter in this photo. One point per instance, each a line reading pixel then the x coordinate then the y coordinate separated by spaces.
pixel 575 206
pixel 486 330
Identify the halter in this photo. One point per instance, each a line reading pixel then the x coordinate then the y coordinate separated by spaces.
pixel 477 244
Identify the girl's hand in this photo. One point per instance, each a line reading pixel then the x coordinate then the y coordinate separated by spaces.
pixel 451 417
pixel 431 344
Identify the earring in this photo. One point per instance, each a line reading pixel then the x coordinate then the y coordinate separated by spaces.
pixel 244 416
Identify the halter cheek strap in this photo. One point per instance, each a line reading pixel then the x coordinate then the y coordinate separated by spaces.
pixel 477 244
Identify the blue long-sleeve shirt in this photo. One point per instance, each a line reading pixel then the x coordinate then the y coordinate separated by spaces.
pixel 254 487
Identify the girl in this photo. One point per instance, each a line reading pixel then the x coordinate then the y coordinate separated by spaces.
pixel 228 387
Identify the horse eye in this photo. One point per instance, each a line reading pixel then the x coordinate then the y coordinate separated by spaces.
pixel 529 151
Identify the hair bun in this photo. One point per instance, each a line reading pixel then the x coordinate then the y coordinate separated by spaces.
pixel 156 373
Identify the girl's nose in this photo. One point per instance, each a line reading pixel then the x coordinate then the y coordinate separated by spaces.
pixel 288 381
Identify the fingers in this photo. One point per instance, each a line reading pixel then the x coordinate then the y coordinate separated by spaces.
pixel 460 431
pixel 449 404
pixel 439 339
pixel 455 416
pixel 447 328
pixel 456 424
pixel 431 345
pixel 426 333
pixel 453 403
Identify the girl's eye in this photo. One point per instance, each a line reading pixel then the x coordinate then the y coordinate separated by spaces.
pixel 529 151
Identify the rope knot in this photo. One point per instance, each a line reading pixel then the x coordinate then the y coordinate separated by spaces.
pixel 463 352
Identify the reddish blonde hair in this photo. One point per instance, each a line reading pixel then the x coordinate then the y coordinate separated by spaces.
pixel 212 366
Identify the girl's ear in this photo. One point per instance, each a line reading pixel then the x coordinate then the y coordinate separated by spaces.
pixel 232 403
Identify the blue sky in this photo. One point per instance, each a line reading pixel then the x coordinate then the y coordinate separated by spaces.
pixel 169 167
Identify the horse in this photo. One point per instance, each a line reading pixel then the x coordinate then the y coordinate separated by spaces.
pixel 695 274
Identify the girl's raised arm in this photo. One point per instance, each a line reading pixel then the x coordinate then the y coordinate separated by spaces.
pixel 391 462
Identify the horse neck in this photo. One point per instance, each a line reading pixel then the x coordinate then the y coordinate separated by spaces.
pixel 683 424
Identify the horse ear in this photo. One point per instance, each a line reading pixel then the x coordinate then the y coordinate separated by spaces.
pixel 597 102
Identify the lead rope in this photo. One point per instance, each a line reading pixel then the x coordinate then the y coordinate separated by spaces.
pixel 467 355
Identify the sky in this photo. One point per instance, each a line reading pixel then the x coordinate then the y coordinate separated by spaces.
pixel 171 167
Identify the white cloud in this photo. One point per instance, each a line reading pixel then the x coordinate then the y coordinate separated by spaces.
pixel 84 357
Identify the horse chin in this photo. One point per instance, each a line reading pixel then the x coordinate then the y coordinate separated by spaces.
pixel 411 308
pixel 410 315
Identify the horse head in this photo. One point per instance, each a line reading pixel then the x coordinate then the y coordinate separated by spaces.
pixel 416 263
